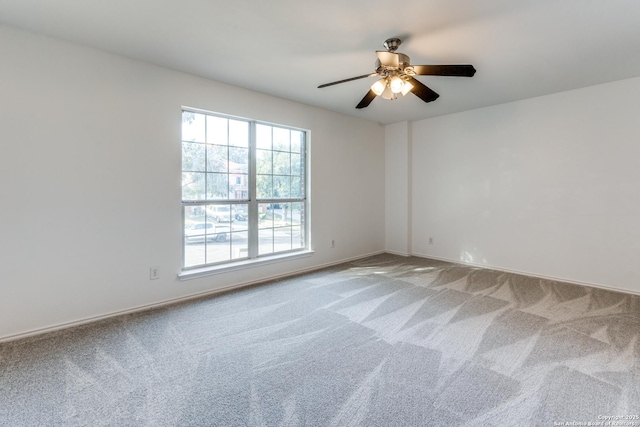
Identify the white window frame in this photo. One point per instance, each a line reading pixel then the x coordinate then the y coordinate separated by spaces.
pixel 253 258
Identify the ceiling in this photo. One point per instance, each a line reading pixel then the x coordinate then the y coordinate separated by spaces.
pixel 521 49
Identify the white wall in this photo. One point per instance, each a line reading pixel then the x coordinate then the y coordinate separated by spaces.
pixel 548 186
pixel 398 189
pixel 90 181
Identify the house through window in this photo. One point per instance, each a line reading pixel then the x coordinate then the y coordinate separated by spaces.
pixel 243 189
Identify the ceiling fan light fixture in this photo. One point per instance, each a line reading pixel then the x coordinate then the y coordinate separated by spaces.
pixel 396 84
pixel 406 87
pixel 388 93
pixel 379 86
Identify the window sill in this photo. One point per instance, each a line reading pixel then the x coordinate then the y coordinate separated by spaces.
pixel 241 265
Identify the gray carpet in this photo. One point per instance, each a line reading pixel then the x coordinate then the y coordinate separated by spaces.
pixel 384 341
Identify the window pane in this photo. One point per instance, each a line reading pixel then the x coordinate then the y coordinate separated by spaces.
pixel 281 163
pixel 263 136
pixel 219 214
pixel 297 140
pixel 281 139
pixel 284 213
pixel 217 158
pixel 296 188
pixel 194 252
pixel 240 214
pixel 193 186
pixel 264 186
pixel 265 245
pixel 263 162
pixel 297 213
pixel 297 238
pixel 282 239
pixel 193 126
pixel 296 164
pixel 219 244
pixel 238 133
pixel 217 186
pixel 238 160
pixel 275 214
pixel 265 216
pixel 239 244
pixel 281 187
pixel 193 214
pixel 217 130
pixel 193 157
pixel 239 187
pixel 194 236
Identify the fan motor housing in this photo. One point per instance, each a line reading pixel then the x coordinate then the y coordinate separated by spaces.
pixel 403 61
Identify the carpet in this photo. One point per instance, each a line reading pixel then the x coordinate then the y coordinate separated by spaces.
pixel 381 341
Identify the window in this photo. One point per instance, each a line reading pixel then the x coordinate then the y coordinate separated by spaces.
pixel 243 189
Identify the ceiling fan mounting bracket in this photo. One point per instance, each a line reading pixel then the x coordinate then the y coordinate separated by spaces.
pixel 392 44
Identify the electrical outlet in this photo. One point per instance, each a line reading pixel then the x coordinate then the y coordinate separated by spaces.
pixel 333 243
pixel 431 240
pixel 154 273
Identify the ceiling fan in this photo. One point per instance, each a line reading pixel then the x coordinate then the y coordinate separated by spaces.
pixel 398 75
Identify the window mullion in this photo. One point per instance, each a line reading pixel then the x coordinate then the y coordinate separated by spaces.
pixel 253 203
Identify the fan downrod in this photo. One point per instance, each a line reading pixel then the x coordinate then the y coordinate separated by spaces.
pixel 392 44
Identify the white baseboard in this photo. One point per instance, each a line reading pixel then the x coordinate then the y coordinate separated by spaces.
pixel 405 254
pixel 60 326
pixel 528 273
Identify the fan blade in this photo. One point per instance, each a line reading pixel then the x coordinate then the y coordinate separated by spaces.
pixel 421 91
pixel 370 96
pixel 444 70
pixel 388 59
pixel 347 80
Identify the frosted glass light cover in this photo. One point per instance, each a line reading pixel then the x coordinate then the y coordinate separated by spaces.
pixel 378 87
pixel 406 87
pixel 396 84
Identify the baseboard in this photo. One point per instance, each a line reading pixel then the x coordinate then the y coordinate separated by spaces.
pixel 404 254
pixel 163 303
pixel 530 274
